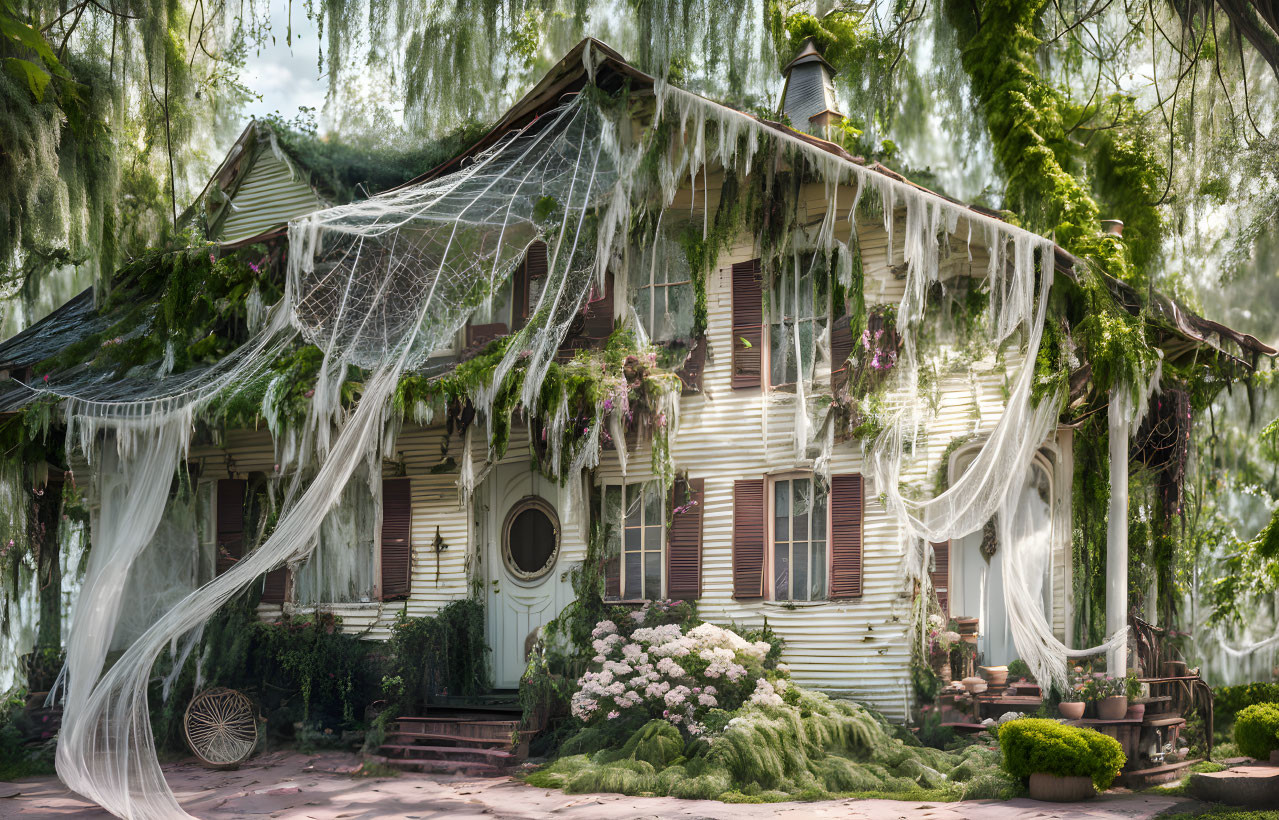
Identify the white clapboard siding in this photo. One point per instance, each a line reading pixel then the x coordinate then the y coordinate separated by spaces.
pixel 270 195
pixel 859 648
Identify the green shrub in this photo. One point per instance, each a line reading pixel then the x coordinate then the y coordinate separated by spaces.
pixel 1035 745
pixel 1019 669
pixel 1228 701
pixel 1257 730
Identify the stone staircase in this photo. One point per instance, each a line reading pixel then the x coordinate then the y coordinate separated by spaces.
pixel 473 744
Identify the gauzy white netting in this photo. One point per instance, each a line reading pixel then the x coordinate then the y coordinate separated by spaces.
pixel 382 283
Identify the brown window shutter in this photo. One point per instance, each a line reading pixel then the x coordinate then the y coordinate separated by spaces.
pixel 847 504
pixel 397 523
pixel 940 575
pixel 748 325
pixel 599 314
pixel 841 347
pixel 274 586
pixel 480 335
pixel 684 547
pixel 230 523
pixel 535 266
pixel 748 538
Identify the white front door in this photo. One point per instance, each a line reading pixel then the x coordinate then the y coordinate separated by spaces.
pixel 527 574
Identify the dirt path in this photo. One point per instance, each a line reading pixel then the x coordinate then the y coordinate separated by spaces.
pixel 319 787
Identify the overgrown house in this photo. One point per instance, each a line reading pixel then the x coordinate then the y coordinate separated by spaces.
pixel 741 486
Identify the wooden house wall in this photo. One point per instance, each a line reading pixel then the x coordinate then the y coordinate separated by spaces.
pixel 856 647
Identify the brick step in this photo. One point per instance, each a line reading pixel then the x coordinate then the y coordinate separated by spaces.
pixel 462 767
pixel 402 737
pixel 448 752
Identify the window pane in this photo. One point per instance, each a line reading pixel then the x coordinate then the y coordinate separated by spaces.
pixel 781 511
pixel 633 538
pixel 817 591
pixel 643 307
pixel 653 503
pixel 819 517
pixel 679 309
pixel 652 575
pixel 799 570
pixel 633 509
pixel 653 538
pixel 807 348
pixel 633 576
pixel 803 504
pixel 781 571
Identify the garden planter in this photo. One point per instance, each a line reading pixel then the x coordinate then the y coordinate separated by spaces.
pixel 1136 711
pixel 1113 708
pixel 1071 711
pixel 994 675
pixel 1057 789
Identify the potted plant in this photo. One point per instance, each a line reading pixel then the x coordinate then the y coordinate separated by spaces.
pixel 1072 703
pixel 1132 689
pixel 1062 763
pixel 1110 695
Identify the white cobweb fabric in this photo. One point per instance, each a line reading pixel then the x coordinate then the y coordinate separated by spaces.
pixel 382 283
pixel 379 284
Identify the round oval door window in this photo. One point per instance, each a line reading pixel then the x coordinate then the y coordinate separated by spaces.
pixel 531 538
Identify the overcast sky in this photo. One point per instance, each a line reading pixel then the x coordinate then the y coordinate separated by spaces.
pixel 285 77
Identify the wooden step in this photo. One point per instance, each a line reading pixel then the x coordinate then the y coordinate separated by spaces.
pixel 447 752
pixel 1160 722
pixel 463 767
pixel 487 729
pixel 447 736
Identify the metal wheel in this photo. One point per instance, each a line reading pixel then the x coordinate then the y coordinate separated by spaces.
pixel 221 727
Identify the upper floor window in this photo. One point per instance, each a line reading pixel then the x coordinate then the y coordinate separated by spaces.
pixel 799 540
pixel 663 291
pixel 799 307
pixel 635 529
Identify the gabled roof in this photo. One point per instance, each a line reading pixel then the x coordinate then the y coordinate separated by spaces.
pixel 1180 329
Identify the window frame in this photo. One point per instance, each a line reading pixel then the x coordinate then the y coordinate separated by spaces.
pixel 662 531
pixel 820 341
pixel 770 540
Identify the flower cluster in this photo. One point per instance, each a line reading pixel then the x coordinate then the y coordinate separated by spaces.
pixel 671 672
pixel 1093 686
pixel 941 637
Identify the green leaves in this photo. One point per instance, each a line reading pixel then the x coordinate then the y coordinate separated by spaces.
pixel 25 39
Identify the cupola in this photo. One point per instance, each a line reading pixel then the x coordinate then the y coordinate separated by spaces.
pixel 808 98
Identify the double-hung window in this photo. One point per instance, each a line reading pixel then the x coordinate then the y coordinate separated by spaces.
pixel 635 527
pixel 799 304
pixel 664 291
pixel 799 540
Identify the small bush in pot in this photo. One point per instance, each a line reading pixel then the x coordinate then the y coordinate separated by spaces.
pixel 1036 745
pixel 1257 730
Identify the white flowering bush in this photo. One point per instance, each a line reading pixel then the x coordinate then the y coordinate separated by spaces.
pixel 672 672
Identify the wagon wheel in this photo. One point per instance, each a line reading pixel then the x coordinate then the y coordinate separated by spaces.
pixel 221 727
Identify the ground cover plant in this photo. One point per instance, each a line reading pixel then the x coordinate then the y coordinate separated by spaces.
pixel 695 710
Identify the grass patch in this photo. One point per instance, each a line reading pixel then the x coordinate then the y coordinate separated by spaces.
pixel 1220 813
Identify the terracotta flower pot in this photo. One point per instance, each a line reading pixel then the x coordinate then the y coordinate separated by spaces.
pixel 1113 708
pixel 994 675
pixel 1060 789
pixel 1136 711
pixel 1071 710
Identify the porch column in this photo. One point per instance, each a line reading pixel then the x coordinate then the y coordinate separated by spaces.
pixel 1117 531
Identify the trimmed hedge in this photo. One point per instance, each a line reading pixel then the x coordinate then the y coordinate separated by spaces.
pixel 1035 745
pixel 1228 701
pixel 1257 730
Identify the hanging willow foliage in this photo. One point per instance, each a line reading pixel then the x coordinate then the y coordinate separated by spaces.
pixel 107 112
